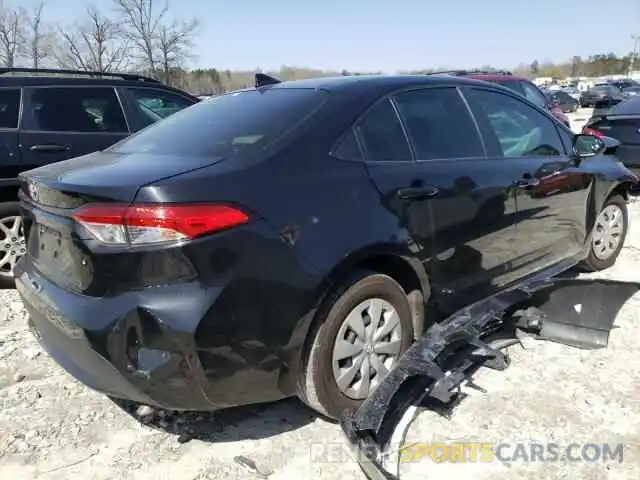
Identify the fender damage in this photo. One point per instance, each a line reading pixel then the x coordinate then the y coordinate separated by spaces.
pixel 576 312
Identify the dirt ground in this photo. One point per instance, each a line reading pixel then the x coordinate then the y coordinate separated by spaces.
pixel 52 427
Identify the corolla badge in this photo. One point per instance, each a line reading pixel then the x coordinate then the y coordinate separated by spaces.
pixel 34 191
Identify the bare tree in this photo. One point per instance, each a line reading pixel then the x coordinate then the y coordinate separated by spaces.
pixel 175 42
pixel 40 37
pixel 142 21
pixel 12 33
pixel 92 44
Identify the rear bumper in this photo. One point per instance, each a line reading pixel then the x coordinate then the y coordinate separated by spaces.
pixel 198 345
pixel 114 360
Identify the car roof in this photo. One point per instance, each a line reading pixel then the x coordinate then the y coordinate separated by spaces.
pixel 33 78
pixel 374 82
pixel 494 77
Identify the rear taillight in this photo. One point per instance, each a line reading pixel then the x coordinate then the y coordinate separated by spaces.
pixel 118 224
pixel 591 131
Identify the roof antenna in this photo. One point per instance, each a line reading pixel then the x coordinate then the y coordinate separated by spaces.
pixel 262 80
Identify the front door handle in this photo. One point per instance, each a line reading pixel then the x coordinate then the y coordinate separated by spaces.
pixel 527 182
pixel 417 193
pixel 50 147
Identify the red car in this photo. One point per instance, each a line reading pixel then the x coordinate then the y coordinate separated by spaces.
pixel 524 87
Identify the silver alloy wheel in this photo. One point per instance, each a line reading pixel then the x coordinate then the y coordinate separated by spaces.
pixel 366 346
pixel 12 244
pixel 607 232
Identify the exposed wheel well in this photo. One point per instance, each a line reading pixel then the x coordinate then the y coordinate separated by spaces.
pixel 622 190
pixel 9 194
pixel 401 270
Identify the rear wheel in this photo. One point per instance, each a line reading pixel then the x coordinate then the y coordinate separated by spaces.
pixel 12 244
pixel 365 326
pixel 609 233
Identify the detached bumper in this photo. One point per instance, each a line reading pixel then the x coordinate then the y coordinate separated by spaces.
pixel 578 313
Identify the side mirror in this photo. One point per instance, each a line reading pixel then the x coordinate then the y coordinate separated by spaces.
pixel 587 146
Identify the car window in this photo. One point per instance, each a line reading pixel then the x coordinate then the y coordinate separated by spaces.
pixel 153 105
pixel 80 109
pixel 519 129
pixel 228 125
pixel 348 147
pixel 510 84
pixel 9 107
pixel 534 95
pixel 382 136
pixel 439 124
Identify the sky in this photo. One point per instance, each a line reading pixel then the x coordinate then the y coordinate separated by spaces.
pixel 394 35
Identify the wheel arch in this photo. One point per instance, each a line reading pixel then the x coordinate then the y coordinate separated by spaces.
pixel 389 260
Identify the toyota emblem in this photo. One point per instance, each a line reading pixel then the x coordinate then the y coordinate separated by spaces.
pixel 33 191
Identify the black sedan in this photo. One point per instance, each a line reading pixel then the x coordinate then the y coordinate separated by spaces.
pixel 297 237
pixel 601 96
pixel 621 122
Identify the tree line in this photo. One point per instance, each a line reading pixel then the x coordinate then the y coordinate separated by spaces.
pixel 141 36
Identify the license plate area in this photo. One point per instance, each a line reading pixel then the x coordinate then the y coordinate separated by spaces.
pixel 57 257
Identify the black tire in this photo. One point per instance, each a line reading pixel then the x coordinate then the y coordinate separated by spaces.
pixel 594 264
pixel 319 389
pixel 7 209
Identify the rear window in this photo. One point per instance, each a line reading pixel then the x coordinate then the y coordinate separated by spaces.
pixel 601 88
pixel 229 125
pixel 630 106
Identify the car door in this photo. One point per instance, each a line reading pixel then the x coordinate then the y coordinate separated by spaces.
pixel 148 105
pixel 59 123
pixel 9 119
pixel 550 190
pixel 425 155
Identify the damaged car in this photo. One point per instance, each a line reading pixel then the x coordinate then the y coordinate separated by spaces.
pixel 297 238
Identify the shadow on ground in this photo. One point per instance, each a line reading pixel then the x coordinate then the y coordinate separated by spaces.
pixel 228 425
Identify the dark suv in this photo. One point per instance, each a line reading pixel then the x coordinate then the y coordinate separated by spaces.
pixel 520 85
pixel 52 115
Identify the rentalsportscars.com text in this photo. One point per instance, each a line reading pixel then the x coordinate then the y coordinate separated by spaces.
pixel 479 452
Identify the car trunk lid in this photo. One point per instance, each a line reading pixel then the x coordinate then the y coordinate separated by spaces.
pixel 51 194
pixel 103 176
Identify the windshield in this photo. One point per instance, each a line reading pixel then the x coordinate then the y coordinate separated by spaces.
pixel 227 125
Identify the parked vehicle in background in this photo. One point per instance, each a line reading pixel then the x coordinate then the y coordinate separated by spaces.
pixel 621 122
pixel 624 84
pixel 564 101
pixel 203 263
pixel 601 96
pixel 521 85
pixel 51 115
pixel 631 91
pixel 573 91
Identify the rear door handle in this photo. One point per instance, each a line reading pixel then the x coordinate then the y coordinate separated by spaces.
pixel 50 147
pixel 417 193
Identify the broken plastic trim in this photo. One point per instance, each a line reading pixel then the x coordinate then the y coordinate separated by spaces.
pixel 574 312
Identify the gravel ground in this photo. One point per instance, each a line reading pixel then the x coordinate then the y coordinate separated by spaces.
pixel 51 427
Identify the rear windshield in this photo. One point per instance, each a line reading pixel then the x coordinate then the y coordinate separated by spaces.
pixel 630 106
pixel 601 88
pixel 228 125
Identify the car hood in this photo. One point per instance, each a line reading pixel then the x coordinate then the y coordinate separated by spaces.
pixel 110 175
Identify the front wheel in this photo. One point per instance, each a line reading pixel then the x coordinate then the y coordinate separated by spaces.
pixel 365 326
pixel 608 235
pixel 12 244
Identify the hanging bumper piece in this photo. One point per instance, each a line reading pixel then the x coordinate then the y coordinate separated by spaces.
pixel 576 312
